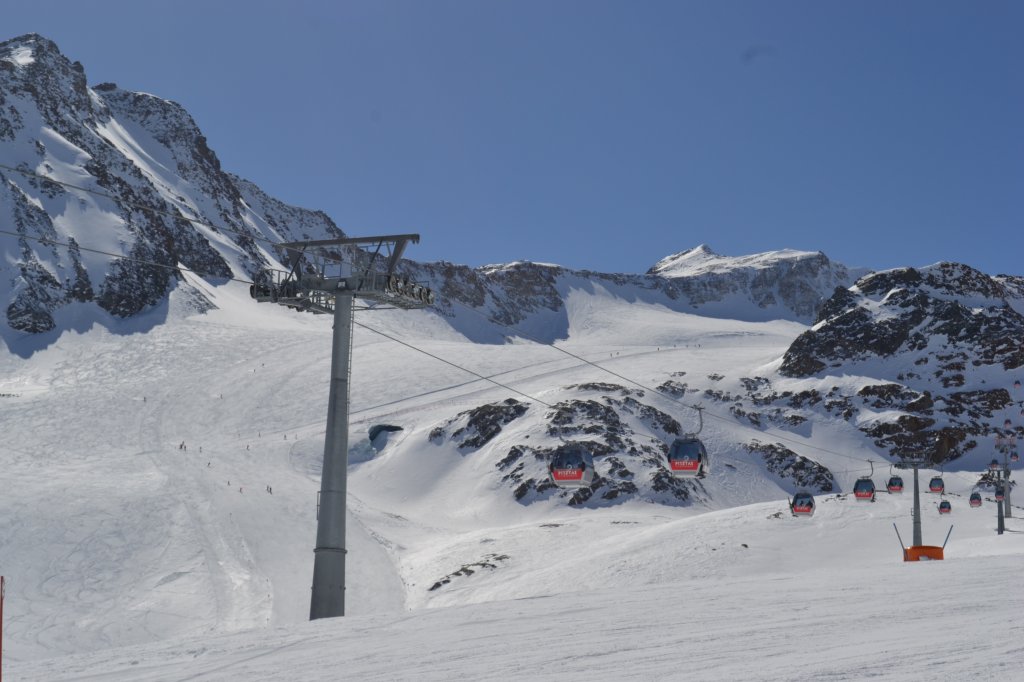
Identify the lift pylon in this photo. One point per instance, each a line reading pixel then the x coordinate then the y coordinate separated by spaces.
pixel 326 276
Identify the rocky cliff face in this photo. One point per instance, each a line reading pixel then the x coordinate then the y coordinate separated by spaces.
pixel 940 340
pixel 139 181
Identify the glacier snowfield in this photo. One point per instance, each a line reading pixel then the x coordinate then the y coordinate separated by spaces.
pixel 130 558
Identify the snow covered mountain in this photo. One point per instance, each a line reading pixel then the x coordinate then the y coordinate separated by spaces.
pixel 160 488
pixel 140 182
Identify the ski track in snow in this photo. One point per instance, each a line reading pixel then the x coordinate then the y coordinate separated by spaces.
pixel 128 558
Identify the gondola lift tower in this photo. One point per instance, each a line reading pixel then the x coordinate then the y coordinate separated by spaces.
pixel 320 280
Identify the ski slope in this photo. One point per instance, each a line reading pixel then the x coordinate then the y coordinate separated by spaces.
pixel 128 557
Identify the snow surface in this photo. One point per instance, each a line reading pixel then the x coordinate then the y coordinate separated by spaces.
pixel 22 56
pixel 128 558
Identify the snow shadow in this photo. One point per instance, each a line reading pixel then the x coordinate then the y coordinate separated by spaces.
pixel 80 318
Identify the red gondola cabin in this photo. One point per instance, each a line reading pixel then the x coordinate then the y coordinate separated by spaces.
pixel 571 467
pixel 802 505
pixel 687 458
pixel 864 489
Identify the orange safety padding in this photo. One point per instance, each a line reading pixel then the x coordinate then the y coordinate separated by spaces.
pixel 923 552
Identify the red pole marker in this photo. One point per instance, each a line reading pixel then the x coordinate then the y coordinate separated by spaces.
pixel 3 588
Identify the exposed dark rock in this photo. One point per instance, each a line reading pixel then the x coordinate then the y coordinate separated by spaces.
pixel 481 424
pixel 788 465
pixel 602 387
pixel 899 311
pixel 489 562
pixel 673 388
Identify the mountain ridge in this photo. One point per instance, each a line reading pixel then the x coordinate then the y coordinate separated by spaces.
pixel 174 206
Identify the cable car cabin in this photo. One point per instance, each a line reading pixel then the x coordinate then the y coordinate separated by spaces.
pixel 688 458
pixel 895 484
pixel 975 499
pixel 864 489
pixel 571 467
pixel 802 504
pixel 1014 457
pixel 1000 496
pixel 945 507
pixel 994 465
pixel 936 485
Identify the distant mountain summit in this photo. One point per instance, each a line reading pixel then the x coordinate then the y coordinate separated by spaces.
pixel 795 280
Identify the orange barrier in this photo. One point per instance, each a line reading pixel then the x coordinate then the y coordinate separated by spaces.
pixel 923 553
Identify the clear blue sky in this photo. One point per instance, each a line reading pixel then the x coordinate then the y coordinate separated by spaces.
pixel 599 135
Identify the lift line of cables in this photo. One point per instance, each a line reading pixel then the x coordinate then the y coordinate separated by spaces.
pixel 518 332
pixel 448 362
pixel 624 378
pixel 656 391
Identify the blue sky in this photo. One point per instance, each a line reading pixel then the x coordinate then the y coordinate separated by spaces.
pixel 599 135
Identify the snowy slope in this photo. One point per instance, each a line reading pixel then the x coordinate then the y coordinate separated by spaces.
pixel 118 538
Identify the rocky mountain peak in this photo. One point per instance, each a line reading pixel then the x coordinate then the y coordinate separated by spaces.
pixel 149 182
pixel 34 67
pixel 898 311
pixel 948 281
pixel 27 49
pixel 689 259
